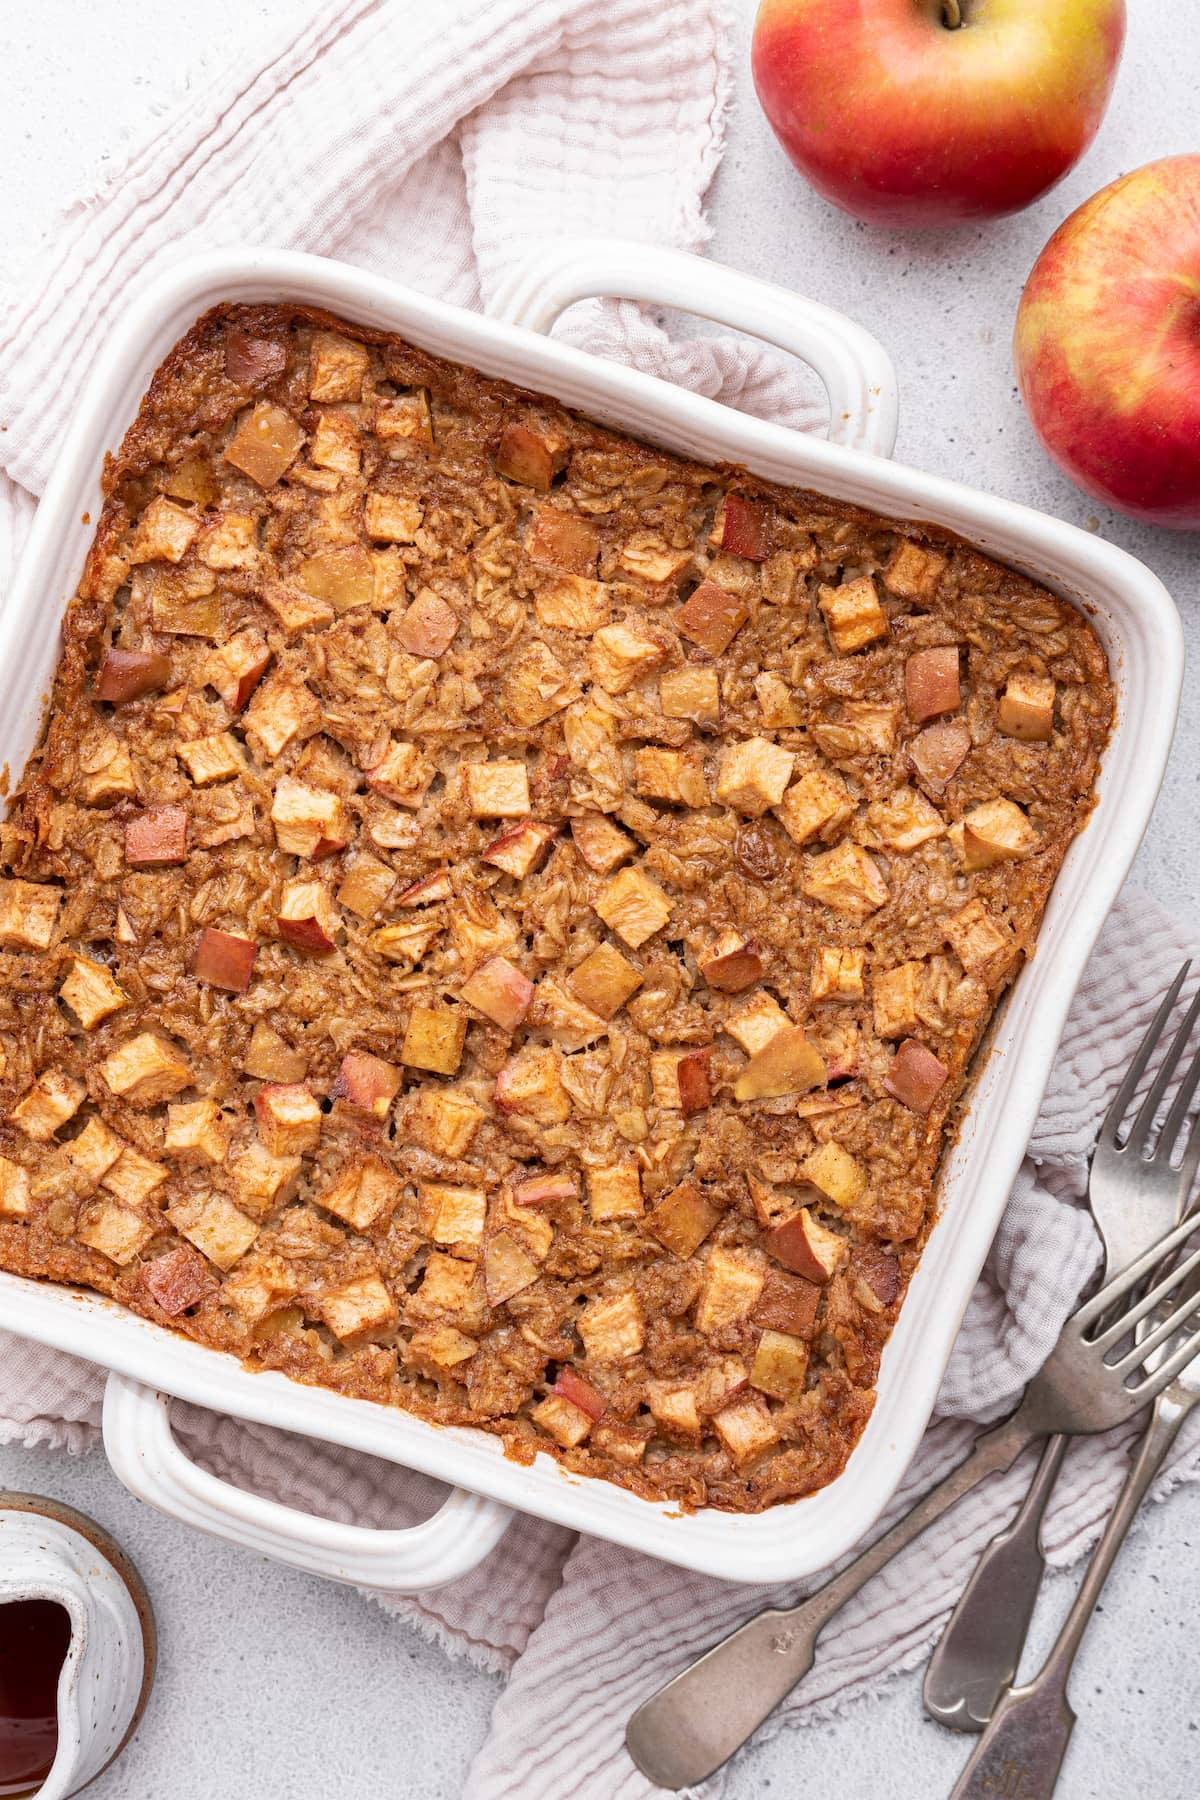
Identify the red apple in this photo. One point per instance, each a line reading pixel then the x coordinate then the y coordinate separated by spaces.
pixel 934 112
pixel 1108 344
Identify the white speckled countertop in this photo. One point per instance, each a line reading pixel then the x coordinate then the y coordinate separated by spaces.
pixel 273 1684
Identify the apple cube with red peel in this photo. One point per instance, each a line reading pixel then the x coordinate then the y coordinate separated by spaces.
pixel 128 674
pixel 366 1083
pixel 402 775
pixel 530 1083
pixel 266 444
pixel 54 1098
pixel 429 626
pixel 836 1174
pixel 939 751
pixel 787 1303
pixel 744 528
pixel 308 821
pixel 997 831
pixel 306 919
pixel 634 906
pixel 563 540
pixel 28 914
pixel 546 1190
pixel 497 790
pixel 680 1079
pixel 980 945
pixel 612 1328
pixel 91 992
pixel 1026 709
pixel 733 1281
pixel 789 1064
pixel 157 837
pixel 507 1270
pixel 531 455
pixel 580 1393
pixel 691 693
pixel 931 683
pixel 914 572
pixel 605 980
pixel 562 1420
pixel 852 614
pixel 746 1429
pixel 754 775
pixel 271 1058
pixel 916 1076
pixel 429 889
pixel 847 880
pixel 520 849
pixel 879 1269
pixel 433 1039
pixel 358 1307
pixel 838 973
pixel 177 1280
pixel 732 964
pixel 615 1192
pixel 601 844
pixel 803 1245
pixel 444 1122
pixel 780 1365
pixel 711 617
pixel 819 801
pixel 236 668
pixel 501 991
pixel 682 1220
pixel 288 1118
pixel 145 1071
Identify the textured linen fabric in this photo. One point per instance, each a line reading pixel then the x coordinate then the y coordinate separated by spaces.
pixel 439 143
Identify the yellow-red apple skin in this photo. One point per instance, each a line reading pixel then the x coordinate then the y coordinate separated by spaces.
pixel 903 122
pixel 1107 344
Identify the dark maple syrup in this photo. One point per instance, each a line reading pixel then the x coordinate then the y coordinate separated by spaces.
pixel 34 1638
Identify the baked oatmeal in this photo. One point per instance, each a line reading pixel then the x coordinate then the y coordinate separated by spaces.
pixel 501 915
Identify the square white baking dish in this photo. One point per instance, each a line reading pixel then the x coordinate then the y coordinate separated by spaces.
pixel 1141 632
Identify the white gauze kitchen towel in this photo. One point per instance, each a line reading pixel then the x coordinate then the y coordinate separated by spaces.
pixel 438 143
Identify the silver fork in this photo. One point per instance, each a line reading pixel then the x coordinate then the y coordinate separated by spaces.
pixel 1092 1381
pixel 1134 1195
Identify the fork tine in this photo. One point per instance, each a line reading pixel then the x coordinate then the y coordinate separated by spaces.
pixel 1146 1346
pixel 1175 1119
pixel 1123 1097
pixel 1149 1301
pixel 1170 1367
pixel 1143 1125
pixel 1116 1291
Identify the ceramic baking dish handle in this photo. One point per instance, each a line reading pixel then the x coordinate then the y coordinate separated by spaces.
pixel 855 369
pixel 146 1456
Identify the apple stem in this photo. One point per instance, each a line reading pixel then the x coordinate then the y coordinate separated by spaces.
pixel 952 14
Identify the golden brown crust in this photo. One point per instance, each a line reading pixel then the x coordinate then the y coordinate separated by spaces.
pixel 565 1133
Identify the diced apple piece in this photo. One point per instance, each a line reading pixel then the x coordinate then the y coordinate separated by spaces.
pixel 564 1018
pixel 270 1058
pixel 838 1175
pixel 894 997
pixel 787 1303
pixel 676 776
pixel 366 885
pixel 634 906
pixel 428 627
pixel 445 1287
pixel 916 1076
pixel 615 1192
pixel 230 542
pixel 497 790
pixel 733 1281
pixel 756 1022
pixel 1026 709
pixel 392 518
pixel 846 880
pixel 197 1132
pixel 14 1189
pixel 306 919
pixel 338 367
pixel 563 540
pixel 531 1084
pixel 266 444
pixel 879 1270
pixel 236 668
pixel 507 1270
pixel 433 1039
pixel 803 1245
pixel 997 831
pixel 366 1083
pixel 624 1444
pixel 776 702
pixel 571 1386
pixel 787 1065
pixel 531 455
pixel 612 1329
pixel 605 980
pixel 691 693
pixel 601 844
pixel 681 1078
pixel 938 752
pixel 914 571
pixel 128 674
pixel 91 992
pixel 744 528
pixel 157 837
pixel 443 1346
pixel 732 964
pixel 838 973
pixel 650 559
pixel 711 617
pixel 905 820
pixel 114 1231
pixel 546 1190
pixel 501 991
pixel 621 654
pixel 573 603
pixel 336 444
pixel 853 615
pixel 819 801
pixel 981 947
pixel 561 1419
pixel 425 892
pixel 92 1154
pixel 145 1071
pixel 134 1177
pixel 405 421
pixel 536 686
pixel 54 1098
pixel 106 771
pixel 754 775
pixel 931 683
pixel 780 1365
pixel 308 821
pixel 217 757
pixel 343 578
pixel 177 1280
pixel 288 1118
pixel 520 849
pixel 262 1181
pixel 215 1226
pixel 823 1105
pixel 453 1215
pixel 402 775
pixel 358 1307
pixel 444 1122
pixel 28 914
pixel 184 603
pixel 674 1409
pixel 746 1429
pixel 164 533
pixel 682 1220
